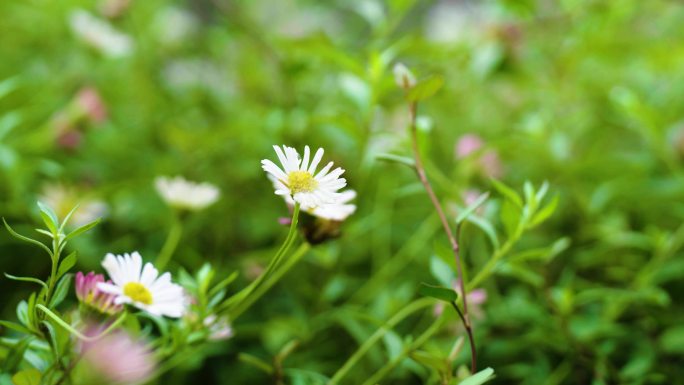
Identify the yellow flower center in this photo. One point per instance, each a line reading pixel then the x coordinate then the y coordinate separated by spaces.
pixel 137 292
pixel 301 181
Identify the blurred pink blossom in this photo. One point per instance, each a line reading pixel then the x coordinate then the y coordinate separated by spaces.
pixel 118 358
pixel 491 164
pixel 468 144
pixel 90 103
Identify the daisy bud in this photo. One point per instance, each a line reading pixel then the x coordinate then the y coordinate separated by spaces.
pixel 89 294
pixel 403 76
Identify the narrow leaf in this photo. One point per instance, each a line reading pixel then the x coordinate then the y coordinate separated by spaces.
pixel 49 217
pixel 472 207
pixel 27 377
pixel 406 161
pixel 26 239
pixel 61 290
pixel 66 219
pixel 425 88
pixel 16 355
pixel 438 292
pixel 26 279
pixel 479 378
pixel 15 326
pixel 66 264
pixel 508 193
pixel 82 229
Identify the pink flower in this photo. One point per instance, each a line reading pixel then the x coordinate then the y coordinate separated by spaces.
pixel 118 358
pixel 468 144
pixel 491 164
pixel 89 294
pixel 91 104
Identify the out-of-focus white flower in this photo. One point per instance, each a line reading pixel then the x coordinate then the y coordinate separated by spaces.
pixel 457 21
pixel 183 194
pixel 142 287
pixel 99 34
pixel 62 199
pixel 403 76
pixel 173 25
pixel 117 359
pixel 219 328
pixel 299 179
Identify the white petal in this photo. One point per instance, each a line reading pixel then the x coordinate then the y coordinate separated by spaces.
pixel 314 163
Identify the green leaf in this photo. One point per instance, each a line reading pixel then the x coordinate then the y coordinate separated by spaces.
pixel 26 279
pixel 479 378
pixel 425 88
pixel 66 219
pixel 430 360
pixel 61 291
pixel 256 362
pixel 22 313
pixel 472 207
pixel 508 193
pixel 441 271
pixel 82 229
pixel 438 292
pixel 510 217
pixel 26 239
pixel 27 377
pixel 49 217
pixel 487 228
pixel 15 326
pixel 221 285
pixel 545 213
pixel 66 264
pixel 405 160
pixel 16 354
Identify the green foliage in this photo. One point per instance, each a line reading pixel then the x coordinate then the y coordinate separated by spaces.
pixel 582 273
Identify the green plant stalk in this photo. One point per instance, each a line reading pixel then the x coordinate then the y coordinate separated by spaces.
pixel 231 303
pixel 170 244
pixel 270 281
pixel 368 344
pixel 75 332
pixel 488 268
pixel 54 256
pixel 387 368
pixel 422 175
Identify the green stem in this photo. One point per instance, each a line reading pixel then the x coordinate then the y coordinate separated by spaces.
pixel 275 277
pixel 231 303
pixel 368 344
pixel 488 268
pixel 170 244
pixel 75 332
pixel 385 369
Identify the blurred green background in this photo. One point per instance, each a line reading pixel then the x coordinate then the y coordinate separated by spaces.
pixel 99 98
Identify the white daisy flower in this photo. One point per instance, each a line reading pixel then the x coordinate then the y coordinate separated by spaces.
pixel 298 177
pixel 142 287
pixel 183 194
pixel 339 210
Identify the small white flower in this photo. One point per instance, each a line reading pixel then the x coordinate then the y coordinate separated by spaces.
pixel 219 328
pixel 183 194
pixel 299 179
pixel 142 287
pixel 99 34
